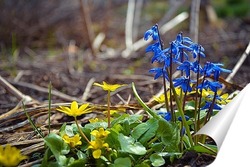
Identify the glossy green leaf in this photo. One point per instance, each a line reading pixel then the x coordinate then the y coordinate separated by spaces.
pixel 156 160
pixel 58 147
pixel 169 134
pixel 145 131
pixel 122 162
pixel 129 145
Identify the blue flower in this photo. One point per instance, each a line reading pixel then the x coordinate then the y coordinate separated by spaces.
pixel 184 83
pixel 177 50
pixel 208 105
pixel 197 50
pixel 159 71
pixel 165 115
pixel 214 68
pixel 183 40
pixel 213 85
pixel 186 117
pixel 196 67
pixel 185 66
pixel 152 32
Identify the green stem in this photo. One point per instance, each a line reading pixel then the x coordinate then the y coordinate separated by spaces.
pixel 145 107
pixel 165 92
pixel 108 115
pixel 81 132
pixel 49 104
pixel 32 123
pixel 152 140
pixel 182 115
pixel 209 113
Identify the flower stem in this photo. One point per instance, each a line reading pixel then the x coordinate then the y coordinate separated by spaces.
pixel 165 92
pixel 182 115
pixel 81 132
pixel 171 85
pixel 108 115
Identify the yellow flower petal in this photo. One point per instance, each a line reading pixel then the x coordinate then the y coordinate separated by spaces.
pixel 93 120
pixel 10 156
pixel 100 134
pixel 97 153
pixel 72 141
pixel 74 110
pixel 108 87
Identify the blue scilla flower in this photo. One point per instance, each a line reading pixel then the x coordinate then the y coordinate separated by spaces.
pixel 152 32
pixel 196 67
pixel 166 115
pixel 186 117
pixel 159 71
pixel 178 51
pixel 183 40
pixel 197 50
pixel 213 85
pixel 208 105
pixel 184 83
pixel 179 45
pixel 185 67
pixel 214 68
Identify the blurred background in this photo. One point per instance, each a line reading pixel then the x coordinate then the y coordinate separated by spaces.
pixel 70 42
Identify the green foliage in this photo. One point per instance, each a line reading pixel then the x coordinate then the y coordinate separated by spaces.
pixel 157 160
pixel 169 134
pixel 232 8
pixel 129 145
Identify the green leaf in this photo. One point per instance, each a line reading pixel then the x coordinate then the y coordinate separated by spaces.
pixel 129 145
pixel 81 155
pixel 156 160
pixel 212 149
pixel 58 147
pixel 78 163
pixel 169 134
pixel 145 107
pixel 125 117
pixel 143 164
pixel 96 125
pixel 122 162
pixel 69 130
pixel 145 131
pixel 112 139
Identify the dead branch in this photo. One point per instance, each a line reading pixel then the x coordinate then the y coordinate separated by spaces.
pixel 240 62
pixel 166 27
pixel 194 20
pixel 87 26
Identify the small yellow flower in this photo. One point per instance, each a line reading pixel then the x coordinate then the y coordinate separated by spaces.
pixel 74 110
pixel 109 87
pixel 10 156
pixel 96 146
pixel 161 98
pixel 72 141
pixel 113 111
pixel 93 120
pixel 100 134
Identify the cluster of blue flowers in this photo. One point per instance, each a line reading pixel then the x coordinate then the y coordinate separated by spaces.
pixel 179 52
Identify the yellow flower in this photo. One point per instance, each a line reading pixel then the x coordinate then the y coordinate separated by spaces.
pixel 108 87
pixel 100 134
pixel 96 146
pixel 74 110
pixel 113 111
pixel 161 98
pixel 10 156
pixel 72 141
pixel 93 120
